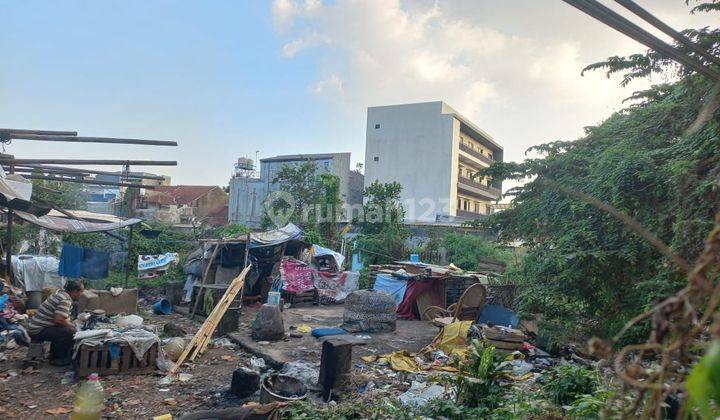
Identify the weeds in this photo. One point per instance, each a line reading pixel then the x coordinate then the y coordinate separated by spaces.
pixel 564 384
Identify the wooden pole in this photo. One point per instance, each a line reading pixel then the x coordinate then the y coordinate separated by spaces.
pixel 50 168
pixel 5 161
pixel 14 131
pixel 128 261
pixel 245 264
pixel 204 278
pixel 8 255
pixel 75 139
pixel 89 182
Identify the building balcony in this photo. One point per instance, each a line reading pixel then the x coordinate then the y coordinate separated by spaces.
pixel 477 189
pixel 470 215
pixel 475 153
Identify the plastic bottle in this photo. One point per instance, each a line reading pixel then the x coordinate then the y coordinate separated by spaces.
pixel 89 400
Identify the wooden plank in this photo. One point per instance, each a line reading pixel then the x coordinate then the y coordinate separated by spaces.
pixel 205 328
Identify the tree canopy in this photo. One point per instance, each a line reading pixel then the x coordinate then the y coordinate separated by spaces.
pixel 658 161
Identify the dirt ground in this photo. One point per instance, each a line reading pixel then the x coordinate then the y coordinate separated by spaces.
pixel 39 393
pixel 49 392
pixel 409 335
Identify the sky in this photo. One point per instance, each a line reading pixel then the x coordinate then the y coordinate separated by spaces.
pixel 227 79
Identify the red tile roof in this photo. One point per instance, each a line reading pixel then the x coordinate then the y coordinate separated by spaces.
pixel 185 194
pixel 158 198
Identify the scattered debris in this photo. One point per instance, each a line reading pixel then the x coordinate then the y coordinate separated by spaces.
pixel 420 394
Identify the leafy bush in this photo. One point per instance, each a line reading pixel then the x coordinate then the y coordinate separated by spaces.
pixel 232 230
pixel 565 383
pixel 465 251
pixel 478 385
pixel 589 406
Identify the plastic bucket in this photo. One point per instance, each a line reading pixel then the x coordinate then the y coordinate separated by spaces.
pixel 162 307
pixel 273 298
pixel 282 388
pixel 415 258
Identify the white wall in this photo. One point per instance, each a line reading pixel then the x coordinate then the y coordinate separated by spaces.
pixel 414 145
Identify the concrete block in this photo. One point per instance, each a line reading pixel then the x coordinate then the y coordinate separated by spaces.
pixel 126 302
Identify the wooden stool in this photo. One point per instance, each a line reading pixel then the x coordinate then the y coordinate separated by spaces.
pixel 35 355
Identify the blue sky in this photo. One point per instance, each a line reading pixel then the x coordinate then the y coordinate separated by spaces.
pixel 227 78
pixel 210 76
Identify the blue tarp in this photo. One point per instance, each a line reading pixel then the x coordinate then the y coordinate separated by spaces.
pixel 392 286
pixel 95 264
pixel 498 315
pixel 71 261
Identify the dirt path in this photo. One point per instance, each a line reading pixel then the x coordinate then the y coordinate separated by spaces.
pixel 39 394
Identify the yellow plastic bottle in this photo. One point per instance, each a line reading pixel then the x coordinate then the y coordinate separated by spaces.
pixel 89 400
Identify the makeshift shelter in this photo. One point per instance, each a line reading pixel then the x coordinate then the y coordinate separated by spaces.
pixel 425 285
pixel 282 261
pixel 220 260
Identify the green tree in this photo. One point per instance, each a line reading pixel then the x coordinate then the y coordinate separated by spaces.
pixel 315 201
pixel 656 161
pixel 383 234
pixel 70 196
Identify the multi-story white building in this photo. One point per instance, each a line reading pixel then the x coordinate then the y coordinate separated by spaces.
pixel 433 152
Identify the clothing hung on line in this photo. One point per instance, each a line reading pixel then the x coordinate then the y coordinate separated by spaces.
pixel 95 264
pixel 71 261
pixel 76 262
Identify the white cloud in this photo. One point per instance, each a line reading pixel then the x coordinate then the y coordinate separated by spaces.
pixel 498 65
pixel 332 84
pixel 299 44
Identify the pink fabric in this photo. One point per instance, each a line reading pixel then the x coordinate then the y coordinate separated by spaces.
pixel 297 276
pixel 408 307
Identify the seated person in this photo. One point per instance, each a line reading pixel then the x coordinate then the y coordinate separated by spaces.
pixel 52 323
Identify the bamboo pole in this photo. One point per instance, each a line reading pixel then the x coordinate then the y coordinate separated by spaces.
pixel 208 327
pixel 6 161
pixel 14 131
pixel 75 139
pixel 61 169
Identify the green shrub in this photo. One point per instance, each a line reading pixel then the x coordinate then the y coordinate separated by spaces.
pixel 564 384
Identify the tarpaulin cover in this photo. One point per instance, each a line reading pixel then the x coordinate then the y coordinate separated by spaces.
pixel 57 223
pixel 453 340
pixel 319 251
pixel 71 261
pixel 289 232
pixel 408 308
pixel 498 315
pixel 150 266
pixel 334 287
pixel 15 193
pixel 297 276
pixel 34 272
pixel 385 283
pixel 95 264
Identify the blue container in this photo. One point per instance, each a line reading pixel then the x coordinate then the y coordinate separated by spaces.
pixel 415 258
pixel 162 307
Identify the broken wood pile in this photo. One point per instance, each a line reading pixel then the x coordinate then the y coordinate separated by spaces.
pixel 487 270
pixel 502 338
